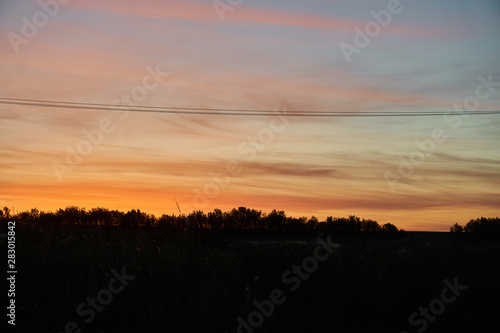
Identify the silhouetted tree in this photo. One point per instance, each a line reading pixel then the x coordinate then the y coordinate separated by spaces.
pixel 253 218
pixel 6 214
pixel 215 219
pixel 296 224
pixel 197 219
pixel 389 227
pixel 228 221
pixel 456 228
pixel 167 222
pixel 370 226
pixel 73 215
pixel 24 217
pixel 239 218
pixel 276 220
pixel 100 216
pixel 133 218
pixel 312 224
pixel 484 225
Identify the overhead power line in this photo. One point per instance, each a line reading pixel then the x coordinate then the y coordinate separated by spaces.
pixel 227 112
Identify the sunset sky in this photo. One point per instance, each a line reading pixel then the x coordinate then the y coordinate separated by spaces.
pixel 429 56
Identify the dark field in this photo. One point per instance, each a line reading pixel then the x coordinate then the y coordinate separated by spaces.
pixel 203 281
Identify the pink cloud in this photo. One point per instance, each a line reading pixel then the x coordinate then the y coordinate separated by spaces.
pixel 205 12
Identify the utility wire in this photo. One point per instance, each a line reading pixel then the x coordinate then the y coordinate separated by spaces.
pixel 228 112
pixel 152 107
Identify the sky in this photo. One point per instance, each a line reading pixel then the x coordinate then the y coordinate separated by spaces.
pixel 419 173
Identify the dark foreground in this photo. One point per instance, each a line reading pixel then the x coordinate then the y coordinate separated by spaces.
pixel 143 281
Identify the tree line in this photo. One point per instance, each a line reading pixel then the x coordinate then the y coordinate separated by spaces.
pixel 241 218
pixel 482 225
